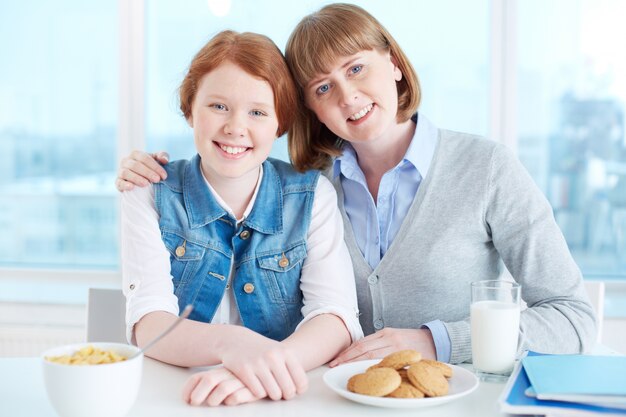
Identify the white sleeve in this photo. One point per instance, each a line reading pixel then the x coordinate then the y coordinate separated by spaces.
pixel 327 280
pixel 146 279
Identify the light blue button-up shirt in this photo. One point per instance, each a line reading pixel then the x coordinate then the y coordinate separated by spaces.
pixel 376 224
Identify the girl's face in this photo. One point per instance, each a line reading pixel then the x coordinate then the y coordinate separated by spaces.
pixel 234 122
pixel 358 99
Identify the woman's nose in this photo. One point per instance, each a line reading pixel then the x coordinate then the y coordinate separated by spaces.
pixel 347 94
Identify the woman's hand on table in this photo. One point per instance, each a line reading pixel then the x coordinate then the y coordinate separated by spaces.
pixel 141 168
pixel 266 367
pixel 387 341
pixel 215 387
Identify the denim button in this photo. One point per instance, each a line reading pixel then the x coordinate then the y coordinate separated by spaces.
pixel 373 279
pixel 283 262
pixel 245 234
pixel 248 288
pixel 180 251
pixel 378 324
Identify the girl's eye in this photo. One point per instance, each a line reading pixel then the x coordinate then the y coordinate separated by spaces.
pixel 322 89
pixel 257 113
pixel 356 69
pixel 218 106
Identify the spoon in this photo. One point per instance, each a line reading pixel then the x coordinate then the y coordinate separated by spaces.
pixel 186 312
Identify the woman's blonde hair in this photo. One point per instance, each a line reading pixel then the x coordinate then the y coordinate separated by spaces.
pixel 255 54
pixel 317 41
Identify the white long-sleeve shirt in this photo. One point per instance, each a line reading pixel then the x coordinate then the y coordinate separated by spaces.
pixel 327 277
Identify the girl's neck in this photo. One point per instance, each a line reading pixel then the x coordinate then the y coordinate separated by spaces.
pixel 236 192
pixel 379 156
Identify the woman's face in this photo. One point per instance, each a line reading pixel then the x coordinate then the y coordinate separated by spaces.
pixel 358 99
pixel 234 122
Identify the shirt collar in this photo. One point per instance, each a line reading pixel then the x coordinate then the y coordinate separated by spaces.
pixel 419 153
pixel 225 206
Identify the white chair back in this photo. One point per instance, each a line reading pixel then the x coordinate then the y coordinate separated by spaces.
pixel 106 310
pixel 595 291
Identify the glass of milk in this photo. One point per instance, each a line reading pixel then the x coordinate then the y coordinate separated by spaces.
pixel 494 319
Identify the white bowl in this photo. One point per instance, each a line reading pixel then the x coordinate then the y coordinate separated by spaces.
pixel 105 390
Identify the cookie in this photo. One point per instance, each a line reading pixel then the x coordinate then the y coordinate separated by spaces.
pixel 376 382
pixel 428 379
pixel 400 359
pixel 406 390
pixel 443 368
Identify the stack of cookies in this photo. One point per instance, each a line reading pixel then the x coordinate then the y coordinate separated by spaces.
pixel 403 374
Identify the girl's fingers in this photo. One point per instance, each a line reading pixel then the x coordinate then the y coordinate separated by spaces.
pixel 222 390
pixel 241 396
pixel 298 375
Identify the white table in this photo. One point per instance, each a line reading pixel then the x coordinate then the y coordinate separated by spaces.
pixel 22 394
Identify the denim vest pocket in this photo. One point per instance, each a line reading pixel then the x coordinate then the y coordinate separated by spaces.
pixel 184 262
pixel 281 270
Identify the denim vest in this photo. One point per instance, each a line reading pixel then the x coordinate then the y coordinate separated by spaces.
pixel 267 249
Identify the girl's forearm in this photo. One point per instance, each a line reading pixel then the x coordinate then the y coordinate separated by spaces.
pixel 191 343
pixel 319 340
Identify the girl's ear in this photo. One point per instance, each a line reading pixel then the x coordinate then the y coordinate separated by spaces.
pixel 397 73
pixel 190 121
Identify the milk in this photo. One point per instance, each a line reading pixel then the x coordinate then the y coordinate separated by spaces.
pixel 495 329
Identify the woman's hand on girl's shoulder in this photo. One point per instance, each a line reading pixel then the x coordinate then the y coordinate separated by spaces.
pixel 141 168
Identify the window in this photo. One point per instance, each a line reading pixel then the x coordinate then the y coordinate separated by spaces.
pixel 58 121
pixel 570 110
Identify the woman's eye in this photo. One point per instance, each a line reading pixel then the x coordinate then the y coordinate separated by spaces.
pixel 356 69
pixel 322 89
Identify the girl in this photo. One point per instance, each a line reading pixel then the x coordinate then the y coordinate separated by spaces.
pixel 426 210
pixel 256 247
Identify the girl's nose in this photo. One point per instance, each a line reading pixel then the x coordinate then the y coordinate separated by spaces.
pixel 235 126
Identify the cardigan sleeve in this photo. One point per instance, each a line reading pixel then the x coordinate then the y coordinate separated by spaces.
pixel 559 317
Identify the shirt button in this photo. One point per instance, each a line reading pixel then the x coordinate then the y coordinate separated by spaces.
pixel 248 288
pixel 131 286
pixel 180 251
pixel 245 234
pixel 373 279
pixel 378 324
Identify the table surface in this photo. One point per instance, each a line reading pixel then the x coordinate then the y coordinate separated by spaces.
pixel 22 394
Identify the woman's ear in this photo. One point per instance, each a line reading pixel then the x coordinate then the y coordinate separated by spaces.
pixel 397 73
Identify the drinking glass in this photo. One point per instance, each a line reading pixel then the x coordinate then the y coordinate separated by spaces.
pixel 494 321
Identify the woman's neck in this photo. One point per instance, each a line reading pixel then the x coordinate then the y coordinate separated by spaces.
pixel 236 192
pixel 379 156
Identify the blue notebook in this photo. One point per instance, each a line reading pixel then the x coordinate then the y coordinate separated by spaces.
pixel 553 376
pixel 515 401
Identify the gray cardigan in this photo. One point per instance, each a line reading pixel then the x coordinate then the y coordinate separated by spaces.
pixel 476 208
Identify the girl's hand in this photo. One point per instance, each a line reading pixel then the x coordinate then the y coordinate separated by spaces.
pixel 141 168
pixel 266 367
pixel 387 341
pixel 214 387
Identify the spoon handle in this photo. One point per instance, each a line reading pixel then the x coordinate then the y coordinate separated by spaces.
pixel 186 312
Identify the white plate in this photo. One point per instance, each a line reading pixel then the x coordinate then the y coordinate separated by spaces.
pixel 462 383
